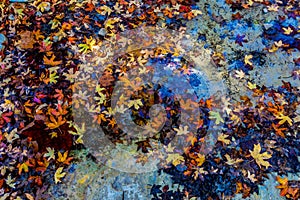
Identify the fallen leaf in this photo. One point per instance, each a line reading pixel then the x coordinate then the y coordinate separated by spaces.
pixel 58 175
pixel 260 157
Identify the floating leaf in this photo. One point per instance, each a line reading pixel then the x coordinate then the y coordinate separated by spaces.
pixel 58 174
pixel 260 157
pixel 216 116
pixel 182 130
pixel 175 159
pixel 50 154
pixel 223 138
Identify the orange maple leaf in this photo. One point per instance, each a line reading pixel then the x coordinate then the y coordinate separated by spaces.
pixel 55 123
pixel 51 61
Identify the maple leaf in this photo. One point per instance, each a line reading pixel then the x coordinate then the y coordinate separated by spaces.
pixel 59 94
pixel 50 154
pixel 60 110
pixel 247 60
pixel 99 118
pixel 279 130
pixel 189 15
pixel 169 148
pixel 135 103
pixel 273 49
pixel 239 74
pixel 53 76
pixel 103 10
pixel 110 23
pixel 84 48
pixel 38 35
pixel 51 61
pixel 58 174
pixel 101 99
pixel 10 181
pixel 141 61
pixel 200 160
pixel 167 12
pixel 22 167
pixel 43 6
pixel 175 158
pixel 216 116
pixel 251 86
pixel 199 171
pixel 53 134
pixel 112 122
pixel 87 46
pixel 223 138
pixel 63 158
pixel 279 43
pixel 251 177
pixel 260 157
pixel 287 31
pixel 231 161
pixel 55 123
pixel 284 119
pixel 283 185
pixel 182 130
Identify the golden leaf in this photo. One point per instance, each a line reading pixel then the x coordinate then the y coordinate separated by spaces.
pixel 223 138
pixel 175 158
pixel 260 157
pixel 58 175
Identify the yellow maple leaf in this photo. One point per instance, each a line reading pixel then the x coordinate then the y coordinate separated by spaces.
pixel 283 118
pixel 282 181
pixel 284 185
pixel 88 45
pixel 22 167
pixel 200 159
pixel 63 158
pixel 273 49
pixel 110 23
pixel 175 158
pixel 43 6
pixel 247 60
pixel 251 86
pixel 231 161
pixel 55 123
pixel 260 157
pixel 103 10
pixel 287 31
pixel 135 103
pixel 58 174
pixel 216 116
pixel 223 138
pixel 51 61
